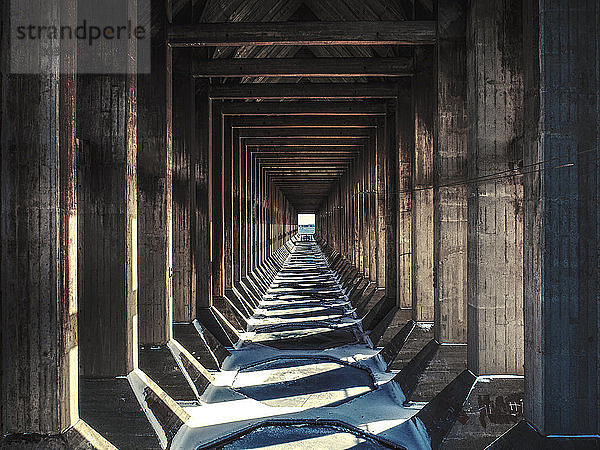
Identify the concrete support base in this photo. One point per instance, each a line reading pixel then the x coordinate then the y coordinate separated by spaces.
pixel 399 319
pixel 201 344
pixel 160 365
pixel 431 370
pixel 378 312
pixel 78 437
pixel 524 435
pixel 418 338
pixel 175 369
pixel 493 406
pixel 110 407
pixel 439 415
pixel 166 416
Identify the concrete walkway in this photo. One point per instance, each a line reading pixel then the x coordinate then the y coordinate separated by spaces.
pixel 304 375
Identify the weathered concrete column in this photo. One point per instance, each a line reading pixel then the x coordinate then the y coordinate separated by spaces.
pixel 373 225
pixel 450 174
pixel 255 215
pixel 203 200
pixel 562 229
pixel 216 196
pixel 422 196
pixel 39 233
pixel 228 200
pixel 360 207
pixel 155 208
pixel 185 160
pixel 402 157
pixel 244 209
pixel 495 193
pixel 108 221
pixel 382 231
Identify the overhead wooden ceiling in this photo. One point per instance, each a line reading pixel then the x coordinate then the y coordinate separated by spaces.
pixel 293 70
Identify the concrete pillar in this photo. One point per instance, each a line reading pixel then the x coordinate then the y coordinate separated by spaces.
pixel 39 233
pixel 253 215
pixel 403 157
pixel 185 155
pixel 155 207
pixel 495 193
pixel 450 175
pixel 422 197
pixel 360 205
pixel 216 196
pixel 228 207
pixel 244 184
pixel 108 220
pixel 562 231
pixel 382 231
pixel 373 224
pixel 357 219
pixel 201 214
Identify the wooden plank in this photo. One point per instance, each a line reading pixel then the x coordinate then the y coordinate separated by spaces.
pixel 303 67
pixel 304 108
pixel 328 122
pixel 304 33
pixel 266 91
pixel 313 133
pixel 302 142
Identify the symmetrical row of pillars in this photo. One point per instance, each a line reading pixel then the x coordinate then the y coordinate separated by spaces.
pixel 488 164
pixel 489 205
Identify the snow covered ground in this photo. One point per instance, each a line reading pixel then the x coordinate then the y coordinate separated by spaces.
pixel 303 376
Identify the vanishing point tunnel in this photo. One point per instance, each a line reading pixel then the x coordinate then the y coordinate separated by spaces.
pixel 156 292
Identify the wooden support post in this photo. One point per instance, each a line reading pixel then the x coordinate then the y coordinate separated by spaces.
pixel 155 221
pixel 424 101
pixel 495 192
pixel 450 176
pixel 562 229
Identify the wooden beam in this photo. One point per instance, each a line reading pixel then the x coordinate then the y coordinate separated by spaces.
pixel 303 67
pixel 312 133
pixel 302 141
pixel 304 108
pixel 272 91
pixel 332 121
pixel 303 33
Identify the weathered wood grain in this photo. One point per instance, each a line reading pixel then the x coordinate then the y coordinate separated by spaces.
pixel 303 33
pixel 303 67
